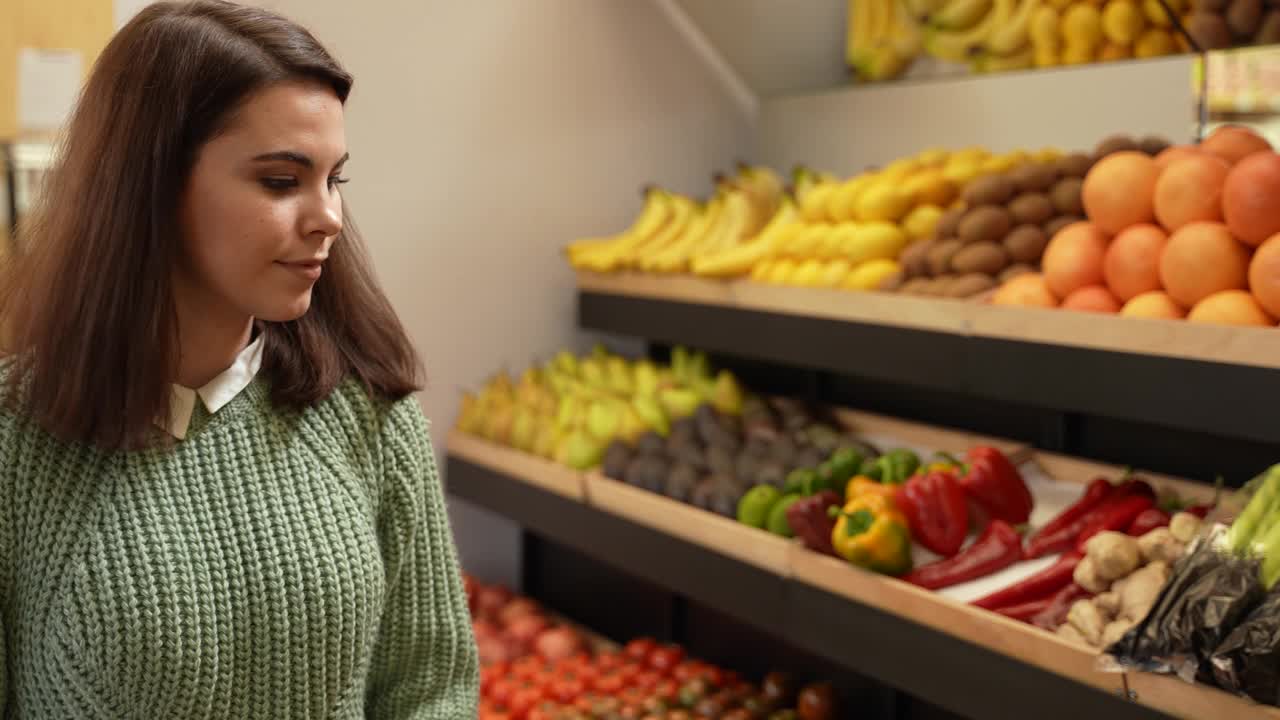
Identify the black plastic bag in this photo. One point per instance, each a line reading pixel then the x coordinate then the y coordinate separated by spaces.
pixel 1248 661
pixel 1207 596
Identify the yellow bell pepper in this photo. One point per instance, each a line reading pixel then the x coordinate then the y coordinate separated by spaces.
pixel 872 533
pixel 861 485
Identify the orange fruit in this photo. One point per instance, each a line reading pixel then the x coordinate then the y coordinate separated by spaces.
pixel 1027 290
pixel 1119 191
pixel 1169 155
pixel 1251 198
pixel 1132 263
pixel 1073 258
pixel 1154 304
pixel 1231 307
pixel 1201 259
pixel 1190 189
pixel 1264 275
pixel 1234 143
pixel 1092 298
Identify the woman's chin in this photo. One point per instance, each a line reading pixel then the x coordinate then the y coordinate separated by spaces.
pixel 286 310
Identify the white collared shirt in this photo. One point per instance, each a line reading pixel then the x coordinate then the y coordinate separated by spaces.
pixel 216 393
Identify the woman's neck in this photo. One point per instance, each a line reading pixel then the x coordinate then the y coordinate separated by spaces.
pixel 208 343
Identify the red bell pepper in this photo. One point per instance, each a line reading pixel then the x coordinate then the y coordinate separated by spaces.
pixel 936 510
pixel 1148 520
pixel 1044 583
pixel 1053 616
pixel 997 548
pixel 995 484
pixel 811 521
pixel 1115 514
pixel 1061 532
pixel 1027 610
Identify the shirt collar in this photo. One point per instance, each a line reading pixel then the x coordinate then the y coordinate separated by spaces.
pixel 216 393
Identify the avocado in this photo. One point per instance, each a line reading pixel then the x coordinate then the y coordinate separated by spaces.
pixel 777 520
pixel 648 472
pixel 616 458
pixel 680 482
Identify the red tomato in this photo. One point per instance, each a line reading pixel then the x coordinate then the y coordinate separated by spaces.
pixel 502 690
pixel 712 674
pixel 566 691
pixel 667 690
pixel 685 671
pixel 610 684
pixel 524 700
pixel 632 697
pixel 610 661
pixel 527 667
pixel 628 673
pixel 539 714
pixel 639 648
pixel 495 715
pixel 647 680
pixel 665 659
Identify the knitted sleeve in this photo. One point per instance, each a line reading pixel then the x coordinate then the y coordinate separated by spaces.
pixel 425 665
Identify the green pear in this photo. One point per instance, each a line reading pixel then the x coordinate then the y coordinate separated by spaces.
pixel 470 415
pixel 524 429
pixel 497 426
pixel 699 366
pixel 646 377
pixel 679 402
pixel 680 362
pixel 633 426
pixel 651 413
pixel 600 352
pixel 567 412
pixel 727 395
pixel 620 376
pixel 566 362
pixel 579 450
pixel 592 373
pixel 548 436
pixel 604 418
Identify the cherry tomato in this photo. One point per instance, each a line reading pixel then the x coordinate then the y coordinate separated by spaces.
pixel 667 690
pixel 502 690
pixel 524 700
pixel 685 671
pixel 817 702
pixel 566 691
pixel 632 696
pixel 639 648
pixel 610 684
pixel 628 673
pixel 539 714
pixel 647 680
pixel 665 659
pixel 610 661
pixel 527 667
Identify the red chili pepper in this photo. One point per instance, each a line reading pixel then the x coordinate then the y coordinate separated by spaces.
pixel 1027 610
pixel 997 548
pixel 1115 514
pixel 1200 511
pixel 993 481
pixel 1061 534
pixel 1056 613
pixel 936 510
pixel 1148 520
pixel 1055 534
pixel 1044 583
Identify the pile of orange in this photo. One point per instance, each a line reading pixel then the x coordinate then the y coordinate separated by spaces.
pixel 1192 233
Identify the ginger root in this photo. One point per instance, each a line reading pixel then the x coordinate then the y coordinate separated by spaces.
pixel 1140 592
pixel 1084 617
pixel 1160 544
pixel 1086 576
pixel 1184 527
pixel 1115 630
pixel 1114 554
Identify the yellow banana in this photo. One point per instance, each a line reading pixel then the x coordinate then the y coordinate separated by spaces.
pixel 922 9
pixel 960 14
pixel 905 36
pixel 737 211
pixel 603 255
pixel 1020 60
pixel 669 257
pixel 684 212
pixel 742 258
pixel 1014 34
pixel 959 46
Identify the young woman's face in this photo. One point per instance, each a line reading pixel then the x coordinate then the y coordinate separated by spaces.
pixel 262 206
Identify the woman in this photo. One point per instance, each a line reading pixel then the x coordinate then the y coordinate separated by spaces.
pixel 217 499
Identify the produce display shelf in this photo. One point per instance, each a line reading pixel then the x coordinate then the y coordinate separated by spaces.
pixel 550 476
pixel 915 640
pixel 1171 373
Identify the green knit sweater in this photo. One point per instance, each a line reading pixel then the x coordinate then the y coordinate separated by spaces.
pixel 271 565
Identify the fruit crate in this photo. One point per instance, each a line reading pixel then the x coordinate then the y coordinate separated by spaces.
pixel 545 474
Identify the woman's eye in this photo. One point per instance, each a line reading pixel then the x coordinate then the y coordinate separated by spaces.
pixel 335 180
pixel 279 183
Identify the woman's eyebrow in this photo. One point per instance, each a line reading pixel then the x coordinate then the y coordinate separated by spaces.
pixel 295 157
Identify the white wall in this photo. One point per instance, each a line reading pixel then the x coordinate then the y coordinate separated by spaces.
pixel 486 135
pixel 844 130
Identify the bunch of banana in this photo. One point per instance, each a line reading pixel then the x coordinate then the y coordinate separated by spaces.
pixel 673 231
pixel 883 38
pixel 989 35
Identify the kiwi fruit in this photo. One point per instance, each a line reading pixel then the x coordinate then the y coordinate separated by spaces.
pixel 1153 145
pixel 987 223
pixel 989 190
pixel 680 482
pixel 1075 165
pixel 616 459
pixel 970 285
pixel 915 286
pixel 1026 243
pixel 648 472
pixel 1052 227
pixel 949 222
pixel 891 283
pixel 1243 18
pixel 981 257
pixel 1065 195
pixel 1269 32
pixel 915 258
pixel 1031 208
pixel 1114 144
pixel 1209 30
pixel 941 254
pixel 1014 271
pixel 1034 177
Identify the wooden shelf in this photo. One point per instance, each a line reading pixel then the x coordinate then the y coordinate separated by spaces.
pixel 774 583
pixel 1203 378
pixel 550 476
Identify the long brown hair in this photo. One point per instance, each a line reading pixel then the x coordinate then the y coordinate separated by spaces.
pixel 87 299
